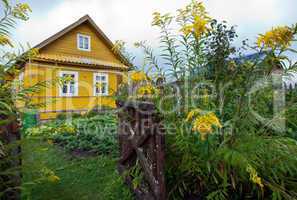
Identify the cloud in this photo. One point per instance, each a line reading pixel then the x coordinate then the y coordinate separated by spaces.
pixel 130 20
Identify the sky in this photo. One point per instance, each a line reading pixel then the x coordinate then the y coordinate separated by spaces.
pixel 130 20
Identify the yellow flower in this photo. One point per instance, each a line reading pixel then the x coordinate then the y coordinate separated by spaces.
pixel 160 20
pixel 254 176
pixel 66 128
pixel 200 26
pixel 187 29
pixel 5 41
pixel 118 46
pixel 182 16
pixel 21 11
pixel 69 129
pixel 214 120
pixel 146 90
pixel 53 178
pixel 50 142
pixel 156 19
pixel 198 9
pixel 138 76
pixel 50 175
pixel 203 123
pixel 193 113
pixel 277 37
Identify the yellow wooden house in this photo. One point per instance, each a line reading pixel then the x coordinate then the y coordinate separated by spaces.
pixel 84 53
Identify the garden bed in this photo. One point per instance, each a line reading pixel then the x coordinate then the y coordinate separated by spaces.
pixel 81 135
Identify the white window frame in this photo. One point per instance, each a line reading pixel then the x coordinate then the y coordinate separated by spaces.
pixel 95 82
pixel 89 41
pixel 75 84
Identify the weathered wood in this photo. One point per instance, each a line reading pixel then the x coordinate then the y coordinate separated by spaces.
pixel 141 138
pixel 130 150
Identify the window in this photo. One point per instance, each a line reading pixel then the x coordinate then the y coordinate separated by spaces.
pixel 100 84
pixel 83 42
pixel 70 84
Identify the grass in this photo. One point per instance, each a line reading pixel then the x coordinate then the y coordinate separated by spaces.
pixel 93 178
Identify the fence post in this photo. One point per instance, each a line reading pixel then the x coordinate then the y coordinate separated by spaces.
pixel 142 144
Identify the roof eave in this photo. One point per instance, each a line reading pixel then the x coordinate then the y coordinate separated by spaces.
pixel 126 68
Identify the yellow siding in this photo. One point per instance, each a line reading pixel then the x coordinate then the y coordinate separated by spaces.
pixel 38 72
pixel 55 104
pixel 67 45
pixel 78 105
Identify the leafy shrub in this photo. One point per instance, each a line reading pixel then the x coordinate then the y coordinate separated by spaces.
pixel 11 58
pixel 64 116
pixel 226 150
pixel 95 134
pixel 51 130
pixel 98 109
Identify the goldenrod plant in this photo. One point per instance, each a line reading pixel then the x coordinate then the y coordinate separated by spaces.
pixel 14 98
pixel 221 109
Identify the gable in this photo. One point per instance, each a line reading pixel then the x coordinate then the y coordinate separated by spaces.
pixel 67 45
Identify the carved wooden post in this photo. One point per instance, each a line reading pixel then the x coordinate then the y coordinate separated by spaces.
pixel 142 139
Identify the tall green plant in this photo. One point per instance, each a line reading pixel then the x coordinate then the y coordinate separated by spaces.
pixel 225 151
pixel 11 93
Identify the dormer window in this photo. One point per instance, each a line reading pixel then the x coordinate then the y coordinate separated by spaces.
pixel 83 42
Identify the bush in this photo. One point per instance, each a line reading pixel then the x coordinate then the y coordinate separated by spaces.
pixel 225 139
pixel 64 116
pixel 95 134
pixel 97 110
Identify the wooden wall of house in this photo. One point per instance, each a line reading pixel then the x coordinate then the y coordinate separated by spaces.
pixel 55 104
pixel 67 45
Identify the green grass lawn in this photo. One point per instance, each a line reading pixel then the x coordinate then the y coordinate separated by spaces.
pixel 80 178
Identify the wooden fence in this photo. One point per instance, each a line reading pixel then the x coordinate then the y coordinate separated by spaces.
pixel 142 147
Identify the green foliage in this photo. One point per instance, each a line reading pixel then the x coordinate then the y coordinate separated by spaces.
pixel 250 156
pixel 290 114
pixel 10 93
pixel 11 13
pixel 92 135
pixel 79 178
pixel 97 110
pixel 64 116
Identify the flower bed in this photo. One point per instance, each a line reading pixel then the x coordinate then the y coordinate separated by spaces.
pixel 81 135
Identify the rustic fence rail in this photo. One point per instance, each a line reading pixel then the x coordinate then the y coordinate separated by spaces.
pixel 142 145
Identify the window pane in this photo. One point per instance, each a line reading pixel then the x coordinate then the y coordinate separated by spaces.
pixel 97 90
pixel 72 89
pixel 86 43
pixel 64 89
pixel 104 88
pixel 103 78
pixel 97 78
pixel 81 42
